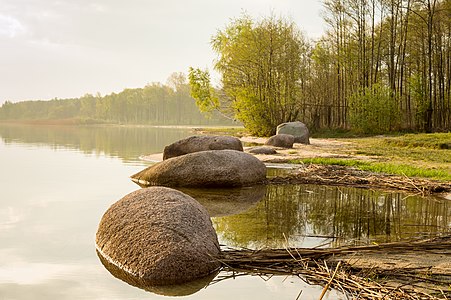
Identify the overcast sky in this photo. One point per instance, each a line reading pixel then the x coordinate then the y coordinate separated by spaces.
pixel 51 48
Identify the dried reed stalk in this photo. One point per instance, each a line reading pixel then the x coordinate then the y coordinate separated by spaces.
pixel 323 266
pixel 346 176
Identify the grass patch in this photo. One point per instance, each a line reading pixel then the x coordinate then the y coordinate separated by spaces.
pixel 430 141
pixel 381 167
pixel 410 148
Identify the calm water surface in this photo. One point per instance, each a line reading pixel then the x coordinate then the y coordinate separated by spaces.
pixel 56 183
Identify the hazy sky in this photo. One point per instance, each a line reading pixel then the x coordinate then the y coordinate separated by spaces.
pixel 51 48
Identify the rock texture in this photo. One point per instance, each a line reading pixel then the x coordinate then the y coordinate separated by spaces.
pixel 160 236
pixel 297 129
pixel 222 168
pixel 201 143
pixel 262 150
pixel 281 140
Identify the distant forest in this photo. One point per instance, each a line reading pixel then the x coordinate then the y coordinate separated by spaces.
pixel 381 66
pixel 155 104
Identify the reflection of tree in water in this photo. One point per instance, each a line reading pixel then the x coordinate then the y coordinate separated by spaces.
pixel 264 225
pixel 355 214
pixel 292 212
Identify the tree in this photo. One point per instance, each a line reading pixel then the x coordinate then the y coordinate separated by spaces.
pixel 260 68
pixel 202 91
pixel 176 81
pixel 373 110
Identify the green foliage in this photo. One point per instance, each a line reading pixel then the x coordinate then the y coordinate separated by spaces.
pixel 419 99
pixel 373 110
pixel 260 64
pixel 202 91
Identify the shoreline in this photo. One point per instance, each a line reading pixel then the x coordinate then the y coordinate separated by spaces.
pixel 334 175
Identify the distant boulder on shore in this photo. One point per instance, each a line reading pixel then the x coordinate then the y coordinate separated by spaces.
pixel 158 236
pixel 201 143
pixel 218 168
pixel 262 150
pixel 297 129
pixel 281 140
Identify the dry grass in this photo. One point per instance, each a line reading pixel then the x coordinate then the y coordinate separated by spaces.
pixel 331 269
pixel 345 176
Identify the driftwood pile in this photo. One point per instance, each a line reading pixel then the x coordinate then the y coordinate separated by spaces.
pixel 345 176
pixel 330 269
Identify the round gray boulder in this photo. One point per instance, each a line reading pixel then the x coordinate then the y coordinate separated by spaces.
pixel 222 168
pixel 262 150
pixel 159 236
pixel 281 140
pixel 297 129
pixel 201 143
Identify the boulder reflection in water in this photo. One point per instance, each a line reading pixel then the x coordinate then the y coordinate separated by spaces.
pixel 227 201
pixel 184 289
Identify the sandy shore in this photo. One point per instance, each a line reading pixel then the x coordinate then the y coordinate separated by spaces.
pixel 317 148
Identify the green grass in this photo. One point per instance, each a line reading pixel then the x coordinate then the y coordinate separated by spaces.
pixel 430 140
pixel 417 148
pixel 412 155
pixel 381 167
pixel 420 155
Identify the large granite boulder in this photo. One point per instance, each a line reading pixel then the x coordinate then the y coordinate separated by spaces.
pixel 201 143
pixel 281 140
pixel 159 236
pixel 297 129
pixel 221 168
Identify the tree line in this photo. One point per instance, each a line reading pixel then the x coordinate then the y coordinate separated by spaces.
pixel 388 65
pixel 155 104
pixel 382 65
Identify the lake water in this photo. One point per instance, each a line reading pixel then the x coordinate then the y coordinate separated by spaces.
pixel 56 183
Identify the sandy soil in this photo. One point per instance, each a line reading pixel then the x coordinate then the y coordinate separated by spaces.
pixel 317 148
